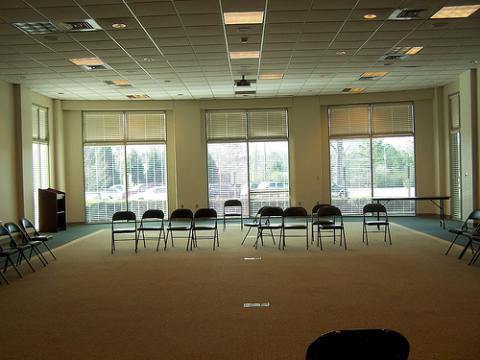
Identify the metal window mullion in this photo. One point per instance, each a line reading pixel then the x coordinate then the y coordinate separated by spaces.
pixel 248 165
pixel 371 148
pixel 125 172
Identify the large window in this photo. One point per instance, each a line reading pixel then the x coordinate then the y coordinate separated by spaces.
pixel 372 155
pixel 248 158
pixel 455 156
pixel 41 173
pixel 124 163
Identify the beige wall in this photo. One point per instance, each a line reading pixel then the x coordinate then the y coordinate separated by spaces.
pixel 16 149
pixel 186 145
pixel 8 154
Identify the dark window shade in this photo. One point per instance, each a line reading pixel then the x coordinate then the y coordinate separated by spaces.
pixel 264 124
pixel 349 120
pixel 392 119
pixel 103 126
pixel 226 125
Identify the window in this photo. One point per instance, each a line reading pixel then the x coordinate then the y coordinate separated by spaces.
pixel 455 156
pixel 372 155
pixel 40 162
pixel 124 163
pixel 248 158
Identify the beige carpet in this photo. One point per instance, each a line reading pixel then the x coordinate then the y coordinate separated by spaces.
pixel 177 305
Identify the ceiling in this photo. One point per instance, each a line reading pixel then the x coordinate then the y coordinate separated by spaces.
pixel 179 49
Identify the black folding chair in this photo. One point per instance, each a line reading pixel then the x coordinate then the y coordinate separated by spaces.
pixel 476 253
pixel 33 235
pixel 7 254
pixel 316 220
pixel 271 218
pixel 332 220
pixel 381 219
pixel 152 221
pixel 25 249
pixel 204 220
pixel 471 226
pixel 232 209
pixel 180 220
pixel 124 222
pixel 294 218
pixel 359 344
pixel 252 224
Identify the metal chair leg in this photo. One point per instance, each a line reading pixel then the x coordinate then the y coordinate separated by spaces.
pixel 451 244
pixel 9 259
pixel 246 235
pixel 50 251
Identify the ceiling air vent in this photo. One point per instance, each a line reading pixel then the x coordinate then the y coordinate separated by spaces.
pixel 95 67
pixel 393 57
pixel 245 92
pixel 406 14
pixel 78 26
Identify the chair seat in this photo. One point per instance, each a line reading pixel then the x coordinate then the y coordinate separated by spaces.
pixel 8 252
pixel 204 227
pixel 274 226
pixel 150 228
pixel 330 226
pixel 293 227
pixel 456 231
pixel 321 222
pixel 231 214
pixel 41 237
pixel 374 222
pixel 185 228
pixel 251 224
pixel 124 231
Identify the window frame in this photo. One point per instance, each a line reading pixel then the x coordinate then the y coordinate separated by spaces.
pixel 38 140
pixel 247 140
pixel 124 143
pixel 371 135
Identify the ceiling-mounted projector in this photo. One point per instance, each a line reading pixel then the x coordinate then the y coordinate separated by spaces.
pixel 243 82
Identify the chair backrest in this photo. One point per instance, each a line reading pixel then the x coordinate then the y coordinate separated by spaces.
pixel 295 211
pixel 232 202
pixel 475 215
pixel 268 211
pixel 328 210
pixel 371 344
pixel 374 208
pixel 4 234
pixel 124 216
pixel 316 207
pixel 181 214
pixel 26 224
pixel 205 213
pixel 16 234
pixel 153 214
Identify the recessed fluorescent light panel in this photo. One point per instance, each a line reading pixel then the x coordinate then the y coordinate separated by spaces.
pixel 354 90
pixel 453 12
pixel 91 61
pixel 36 28
pixel 120 82
pixel 373 74
pixel 138 96
pixel 414 50
pixel 244 55
pixel 278 76
pixel 237 18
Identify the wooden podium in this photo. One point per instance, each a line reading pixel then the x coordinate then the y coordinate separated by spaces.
pixel 52 210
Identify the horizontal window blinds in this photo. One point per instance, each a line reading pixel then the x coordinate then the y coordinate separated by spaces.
pixel 146 126
pixel 392 119
pixel 226 125
pixel 454 107
pixel 103 126
pixel 349 120
pixel 233 124
pixel 39 123
pixel 267 124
